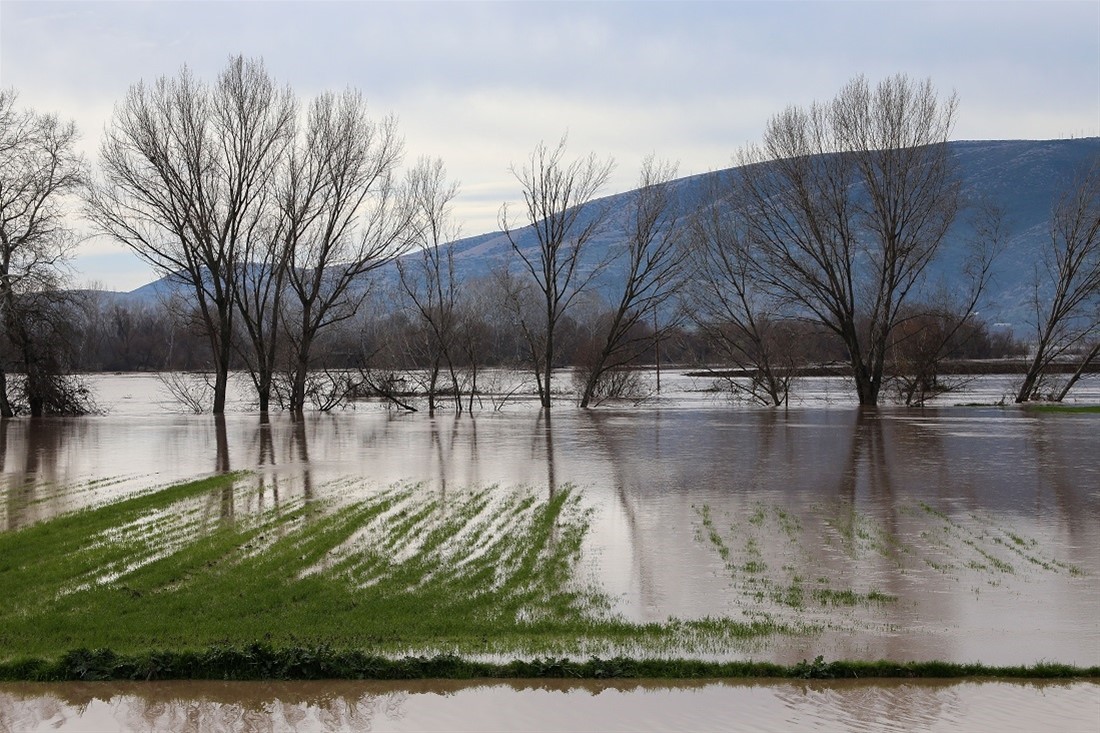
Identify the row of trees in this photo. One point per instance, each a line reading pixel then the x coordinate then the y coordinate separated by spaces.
pixel 272 218
pixel 833 218
pixel 271 223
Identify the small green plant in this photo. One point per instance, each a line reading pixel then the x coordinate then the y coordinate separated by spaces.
pixel 816 670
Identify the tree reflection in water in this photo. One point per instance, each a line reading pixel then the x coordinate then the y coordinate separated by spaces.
pixel 334 705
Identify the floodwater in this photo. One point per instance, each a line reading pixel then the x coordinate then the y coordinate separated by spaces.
pixel 256 707
pixel 954 533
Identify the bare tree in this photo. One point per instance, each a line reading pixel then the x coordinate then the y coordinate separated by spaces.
pixel 556 197
pixel 346 216
pixel 187 169
pixel 730 306
pixel 654 256
pixel 1066 294
pixel 518 298
pixel 261 285
pixel 39 170
pixel 847 204
pixel 927 334
pixel 427 277
pixel 43 334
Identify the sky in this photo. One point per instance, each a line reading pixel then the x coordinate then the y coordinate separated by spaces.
pixel 479 84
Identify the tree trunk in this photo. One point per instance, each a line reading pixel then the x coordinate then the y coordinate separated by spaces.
pixel 544 388
pixel 263 394
pixel 433 380
pixel 657 349
pixel 221 382
pixel 589 388
pixel 1077 374
pixel 867 386
pixel 301 370
pixel 265 363
pixel 222 342
pixel 1032 375
pixel 600 367
pixel 473 386
pixel 298 388
pixel 5 406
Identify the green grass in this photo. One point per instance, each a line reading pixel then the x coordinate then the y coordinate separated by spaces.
pixel 393 584
pixel 401 571
pixel 266 662
pixel 1060 408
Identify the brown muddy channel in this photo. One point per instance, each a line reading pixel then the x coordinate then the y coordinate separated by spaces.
pixel 963 534
pixel 214 707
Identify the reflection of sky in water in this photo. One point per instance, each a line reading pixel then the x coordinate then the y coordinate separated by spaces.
pixel 917 505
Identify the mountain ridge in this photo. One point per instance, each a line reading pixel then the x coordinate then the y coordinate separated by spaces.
pixel 1022 176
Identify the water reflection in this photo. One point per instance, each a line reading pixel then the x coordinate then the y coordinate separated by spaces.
pixel 904 503
pixel 542 447
pixel 32 466
pixel 548 705
pixel 299 441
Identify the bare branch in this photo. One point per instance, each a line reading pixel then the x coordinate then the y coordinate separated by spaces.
pixel 558 207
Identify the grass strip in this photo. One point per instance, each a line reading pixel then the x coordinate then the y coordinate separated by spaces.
pixel 1056 407
pixel 264 662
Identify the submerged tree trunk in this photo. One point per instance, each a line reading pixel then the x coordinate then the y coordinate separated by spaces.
pixel 298 382
pixel 1078 372
pixel 547 367
pixel 5 406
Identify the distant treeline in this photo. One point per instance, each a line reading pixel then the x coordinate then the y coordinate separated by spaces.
pixel 110 334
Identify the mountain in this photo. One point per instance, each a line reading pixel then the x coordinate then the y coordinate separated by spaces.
pixel 1025 177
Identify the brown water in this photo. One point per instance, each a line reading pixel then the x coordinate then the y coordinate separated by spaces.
pixel 213 707
pixel 958 534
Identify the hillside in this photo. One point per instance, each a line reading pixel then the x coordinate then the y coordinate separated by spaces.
pixel 1023 176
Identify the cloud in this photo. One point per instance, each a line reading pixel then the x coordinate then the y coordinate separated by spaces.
pixel 479 84
pixel 119 271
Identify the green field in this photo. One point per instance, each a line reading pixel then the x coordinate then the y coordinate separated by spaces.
pixel 401 583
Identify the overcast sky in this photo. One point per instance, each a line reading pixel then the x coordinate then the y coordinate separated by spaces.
pixel 479 84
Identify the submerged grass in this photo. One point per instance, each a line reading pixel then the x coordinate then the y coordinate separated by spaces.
pixel 779 589
pixel 819 573
pixel 485 572
pixel 404 583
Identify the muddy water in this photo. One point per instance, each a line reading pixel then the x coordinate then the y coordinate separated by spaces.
pixel 958 534
pixel 548 706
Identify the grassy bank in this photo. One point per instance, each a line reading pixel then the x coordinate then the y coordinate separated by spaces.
pixel 1057 407
pixel 262 662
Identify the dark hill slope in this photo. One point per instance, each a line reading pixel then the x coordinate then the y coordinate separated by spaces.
pixel 1023 176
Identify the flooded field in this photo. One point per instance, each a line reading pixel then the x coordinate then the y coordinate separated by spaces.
pixel 965 534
